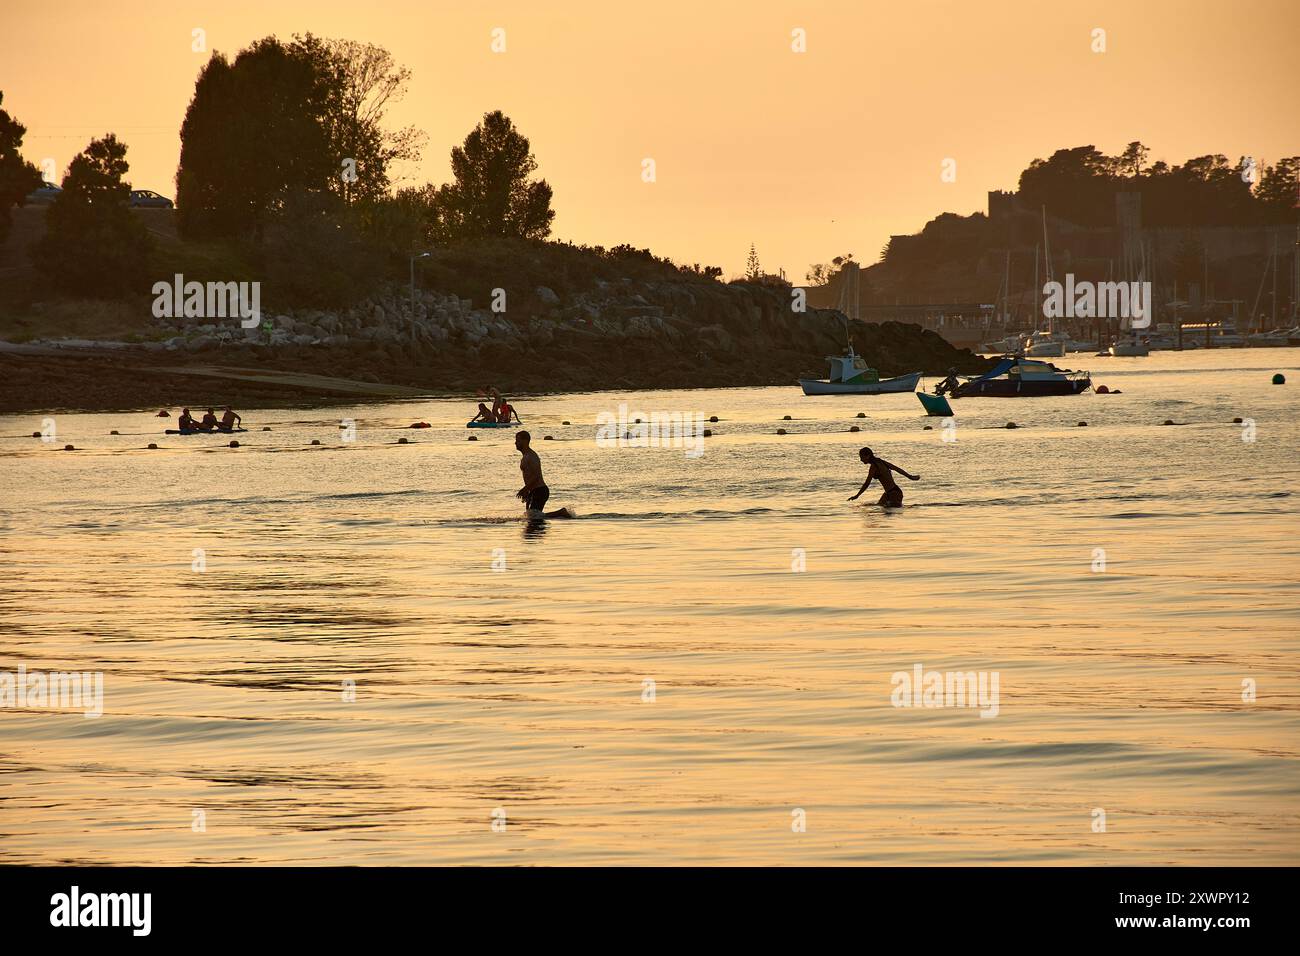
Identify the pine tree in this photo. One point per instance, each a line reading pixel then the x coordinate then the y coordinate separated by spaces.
pixel 753 271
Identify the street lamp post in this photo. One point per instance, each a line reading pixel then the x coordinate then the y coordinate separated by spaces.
pixel 422 255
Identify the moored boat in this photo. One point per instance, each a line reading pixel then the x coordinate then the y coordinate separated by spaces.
pixel 850 375
pixel 1023 378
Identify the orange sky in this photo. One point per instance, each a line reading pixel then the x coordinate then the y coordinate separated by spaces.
pixel 806 155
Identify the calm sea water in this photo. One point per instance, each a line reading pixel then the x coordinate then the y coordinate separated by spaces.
pixel 1128 582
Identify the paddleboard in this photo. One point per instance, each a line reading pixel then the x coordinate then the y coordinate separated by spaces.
pixel 492 424
pixel 215 431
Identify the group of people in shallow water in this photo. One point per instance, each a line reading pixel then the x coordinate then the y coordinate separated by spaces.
pixel 228 422
pixel 501 412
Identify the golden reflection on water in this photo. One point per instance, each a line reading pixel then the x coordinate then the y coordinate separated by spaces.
pixel 525 690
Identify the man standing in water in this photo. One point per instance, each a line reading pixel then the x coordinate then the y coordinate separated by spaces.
pixel 880 470
pixel 534 492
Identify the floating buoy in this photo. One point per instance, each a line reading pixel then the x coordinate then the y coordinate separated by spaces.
pixel 421 425
pixel 780 431
pixel 163 414
pixel 1236 421
pixel 153 446
pixel 854 428
pixel 637 422
pixel 786 418
pixel 401 441
pixel 69 448
pixel 1168 421
pixel 266 428
pixel 1117 392
pixel 862 414
pixel 1083 425
pixel 36 434
pixel 1012 425
pixel 115 432
pixel 713 418
pixel 473 438
pixel 924 428
pixel 315 441
pixel 547 438
pixel 1279 379
pixel 708 433
pixel 1102 389
pixel 565 423
pixel 234 444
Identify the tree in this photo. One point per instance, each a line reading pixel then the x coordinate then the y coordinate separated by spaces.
pixel 753 270
pixel 255 132
pixel 93 243
pixel 492 196
pixel 1131 161
pixel 1279 189
pixel 363 80
pixel 287 120
pixel 18 177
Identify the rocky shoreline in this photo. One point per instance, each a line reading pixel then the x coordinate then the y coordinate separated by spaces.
pixel 625 334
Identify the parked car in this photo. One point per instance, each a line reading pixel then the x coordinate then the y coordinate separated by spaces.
pixel 149 199
pixel 46 194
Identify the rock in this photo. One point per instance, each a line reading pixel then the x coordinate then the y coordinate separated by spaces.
pixel 200 342
pixel 546 296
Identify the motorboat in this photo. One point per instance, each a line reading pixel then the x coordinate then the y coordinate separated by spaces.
pixel 850 375
pixel 1016 377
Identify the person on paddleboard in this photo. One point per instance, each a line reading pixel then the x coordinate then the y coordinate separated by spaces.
pixel 880 471
pixel 484 414
pixel 209 421
pixel 186 422
pixel 534 493
pixel 229 419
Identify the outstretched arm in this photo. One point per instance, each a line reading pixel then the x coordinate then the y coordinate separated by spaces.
pixel 893 467
pixel 862 489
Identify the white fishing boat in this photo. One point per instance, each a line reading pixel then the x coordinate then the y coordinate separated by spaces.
pixel 1050 344
pixel 850 375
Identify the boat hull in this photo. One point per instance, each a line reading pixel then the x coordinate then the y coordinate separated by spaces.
pixel 1005 388
pixel 903 383
pixel 935 405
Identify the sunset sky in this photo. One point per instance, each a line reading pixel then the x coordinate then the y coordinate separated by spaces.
pixel 807 155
